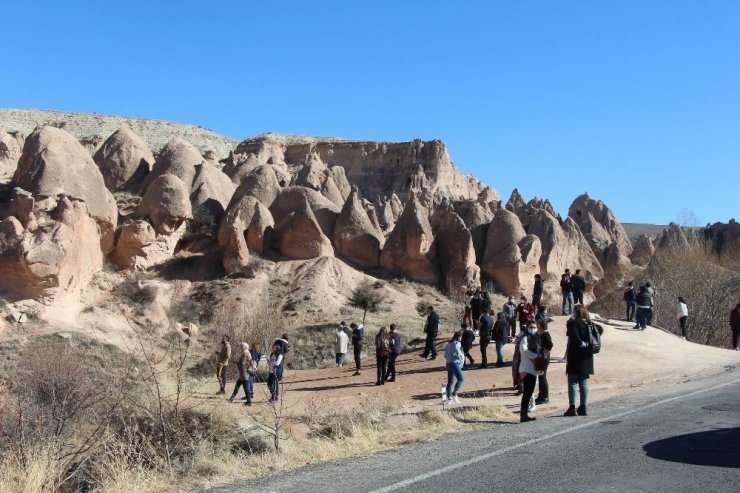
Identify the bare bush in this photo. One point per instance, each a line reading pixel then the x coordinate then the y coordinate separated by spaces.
pixel 327 417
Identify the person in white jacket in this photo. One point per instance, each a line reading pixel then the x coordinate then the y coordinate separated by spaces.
pixel 341 342
pixel 454 358
pixel 528 350
pixel 682 312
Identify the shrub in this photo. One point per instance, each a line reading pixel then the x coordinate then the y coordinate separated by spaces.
pixel 367 297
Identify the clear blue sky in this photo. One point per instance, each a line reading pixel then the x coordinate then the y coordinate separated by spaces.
pixel 636 102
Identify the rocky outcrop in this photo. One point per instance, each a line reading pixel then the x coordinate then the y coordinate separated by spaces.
pixel 642 250
pixel 210 194
pixel 477 216
pixel 246 225
pixel 511 258
pixel 299 235
pixel 124 160
pixel 409 249
pixel 355 237
pixel 53 163
pixel 261 183
pixel 290 199
pixel 456 253
pixel 11 146
pixel 166 204
pixel 178 158
pixel 139 247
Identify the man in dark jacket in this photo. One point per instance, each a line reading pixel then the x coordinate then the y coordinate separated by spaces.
pixel 499 334
pixel 578 285
pixel 431 329
pixel 644 305
pixel 509 310
pixel 630 297
pixel 466 341
pixel 476 306
pixel 395 346
pixel 358 340
pixel 539 286
pixel 735 325
pixel 567 290
pixel 485 327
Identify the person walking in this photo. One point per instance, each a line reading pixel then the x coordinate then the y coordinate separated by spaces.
pixel 643 308
pixel 539 287
pixel 542 316
pixel 567 290
pixel 275 372
pixel 341 342
pixel 578 286
pixel 466 341
pixel 528 350
pixel 394 339
pixel 525 311
pixel 382 353
pixel 735 325
pixel 682 312
pixel 500 334
pixel 358 340
pixel 580 361
pixel 545 344
pixel 454 360
pixel 485 329
pixel 252 372
pixel 224 355
pixel 510 312
pixel 243 365
pixel 431 329
pixel 630 298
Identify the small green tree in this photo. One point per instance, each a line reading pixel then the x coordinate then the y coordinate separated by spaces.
pixel 367 298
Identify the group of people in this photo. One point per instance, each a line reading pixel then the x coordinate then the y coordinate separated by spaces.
pixel 387 349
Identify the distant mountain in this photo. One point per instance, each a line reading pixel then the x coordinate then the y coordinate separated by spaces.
pixel 634 229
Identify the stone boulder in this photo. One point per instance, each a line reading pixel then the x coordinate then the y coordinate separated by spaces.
pixel 512 257
pixel 456 252
pixel 178 158
pixel 139 247
pixel 299 235
pixel 477 217
pixel 261 183
pixel 642 251
pixel 355 236
pixel 166 204
pixel 291 199
pixel 210 194
pixel 246 225
pixel 11 146
pixel 53 163
pixel 124 160
pixel 409 249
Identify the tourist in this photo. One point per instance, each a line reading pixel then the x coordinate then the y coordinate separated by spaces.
pixel 466 341
pixel 485 329
pixel 431 329
pixel 243 365
pixel 682 312
pixel 358 340
pixel 516 359
pixel 454 358
pixel 539 287
pixel 224 354
pixel 528 351
pixel 476 306
pixel 509 310
pixel 525 311
pixel 651 291
pixel 275 371
pixel 282 341
pixel 542 316
pixel 486 305
pixel 567 290
pixel 500 334
pixel 341 342
pixel 382 353
pixel 630 298
pixel 545 343
pixel 468 312
pixel 735 325
pixel 256 358
pixel 643 308
pixel 394 339
pixel 580 360
pixel 578 286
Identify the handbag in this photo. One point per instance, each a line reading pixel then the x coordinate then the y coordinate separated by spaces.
pixel 541 362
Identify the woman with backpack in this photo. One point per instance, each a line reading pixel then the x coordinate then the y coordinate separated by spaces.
pixel 382 353
pixel 580 358
pixel 275 374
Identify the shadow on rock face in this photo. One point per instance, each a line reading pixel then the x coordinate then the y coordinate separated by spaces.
pixel 717 448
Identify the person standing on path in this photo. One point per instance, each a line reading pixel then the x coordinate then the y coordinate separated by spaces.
pixel 509 310
pixel 539 287
pixel 466 341
pixel 341 342
pixel 454 360
pixel 394 338
pixel 682 312
pixel 358 340
pixel 382 353
pixel 651 291
pixel 643 309
pixel 735 325
pixel 243 365
pixel 224 355
pixel 545 344
pixel 256 358
pixel 542 316
pixel 516 360
pixel 500 334
pixel 528 351
pixel 485 332
pixel 275 372
pixel 476 307
pixel 486 305
pixel 525 311
pixel 567 291
pixel 431 329
pixel 578 285
pixel 580 360
pixel 630 298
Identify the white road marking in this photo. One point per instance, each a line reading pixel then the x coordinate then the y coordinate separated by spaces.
pixel 481 458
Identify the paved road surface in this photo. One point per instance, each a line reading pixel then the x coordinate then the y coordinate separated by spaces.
pixel 684 437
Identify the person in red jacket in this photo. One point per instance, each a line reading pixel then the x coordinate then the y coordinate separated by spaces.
pixel 526 312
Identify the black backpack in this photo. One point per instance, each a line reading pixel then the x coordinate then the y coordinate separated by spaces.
pixel 594 337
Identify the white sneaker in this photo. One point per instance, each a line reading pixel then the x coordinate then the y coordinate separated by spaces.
pixel 532 406
pixel 455 399
pixel 444 394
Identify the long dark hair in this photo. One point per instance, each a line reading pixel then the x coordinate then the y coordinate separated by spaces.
pixel 456 336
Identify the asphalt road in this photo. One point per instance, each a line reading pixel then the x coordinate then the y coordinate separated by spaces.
pixel 677 438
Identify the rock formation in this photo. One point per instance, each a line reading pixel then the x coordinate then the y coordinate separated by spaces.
pixel 261 183
pixel 166 204
pixel 300 236
pixel 246 225
pixel 11 146
pixel 454 245
pixel 139 247
pixel 210 194
pixel 355 237
pixel 642 250
pixel 291 199
pixel 124 160
pixel 477 216
pixel 177 158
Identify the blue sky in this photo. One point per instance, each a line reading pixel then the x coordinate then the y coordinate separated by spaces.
pixel 636 102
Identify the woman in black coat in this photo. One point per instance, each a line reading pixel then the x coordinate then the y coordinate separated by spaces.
pixel 580 361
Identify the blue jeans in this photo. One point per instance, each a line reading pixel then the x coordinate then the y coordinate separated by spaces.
pixel 454 371
pixel 630 310
pixel 576 382
pixel 568 300
pixel 500 351
pixel 340 358
pixel 643 317
pixel 250 385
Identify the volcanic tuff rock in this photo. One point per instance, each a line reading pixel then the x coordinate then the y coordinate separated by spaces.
pixel 177 158
pixel 11 145
pixel 456 253
pixel 642 250
pixel 261 183
pixel 138 246
pixel 299 235
pixel 210 193
pixel 355 236
pixel 124 160
pixel 53 162
pixel 291 199
pixel 477 216
pixel 410 247
pixel 246 225
pixel 166 204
